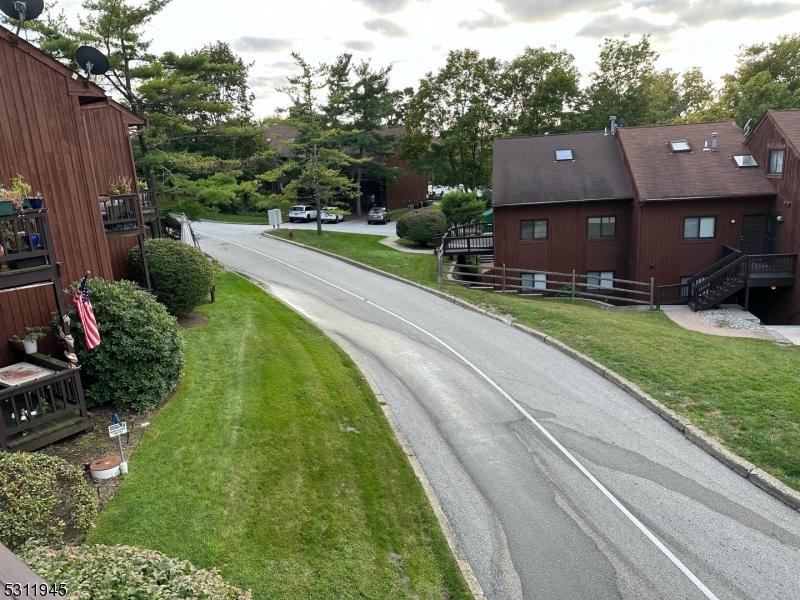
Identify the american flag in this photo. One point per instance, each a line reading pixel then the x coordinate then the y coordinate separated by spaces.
pixel 86 314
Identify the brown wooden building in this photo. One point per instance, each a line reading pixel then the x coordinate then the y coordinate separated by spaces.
pixel 69 141
pixel 667 203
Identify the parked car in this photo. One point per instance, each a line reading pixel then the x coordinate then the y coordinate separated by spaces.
pixel 328 215
pixel 379 214
pixel 302 212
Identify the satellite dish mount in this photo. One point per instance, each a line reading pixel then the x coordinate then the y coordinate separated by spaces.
pixel 22 11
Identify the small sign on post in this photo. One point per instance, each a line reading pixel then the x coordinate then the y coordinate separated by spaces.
pixel 116 430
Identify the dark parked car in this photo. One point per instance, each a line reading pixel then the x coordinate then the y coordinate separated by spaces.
pixel 379 214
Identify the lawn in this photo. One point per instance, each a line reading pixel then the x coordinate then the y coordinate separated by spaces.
pixel 745 392
pixel 173 206
pixel 274 463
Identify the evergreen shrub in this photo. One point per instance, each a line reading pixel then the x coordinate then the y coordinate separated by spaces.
pixel 181 275
pixel 421 226
pixel 41 498
pixel 140 358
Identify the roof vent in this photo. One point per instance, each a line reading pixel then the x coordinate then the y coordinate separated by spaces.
pixel 679 146
pixel 564 155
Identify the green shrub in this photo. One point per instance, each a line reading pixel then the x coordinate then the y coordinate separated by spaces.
pixel 462 207
pixel 140 358
pixel 180 274
pixel 568 291
pixel 112 572
pixel 42 497
pixel 421 226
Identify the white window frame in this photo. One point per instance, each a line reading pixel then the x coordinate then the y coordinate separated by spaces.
pixel 598 280
pixel 776 158
pixel 530 282
pixel 533 237
pixel 701 223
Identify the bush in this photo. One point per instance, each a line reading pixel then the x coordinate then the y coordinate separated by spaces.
pixel 140 358
pixel 421 226
pixel 568 291
pixel 112 572
pixel 42 497
pixel 180 274
pixel 462 207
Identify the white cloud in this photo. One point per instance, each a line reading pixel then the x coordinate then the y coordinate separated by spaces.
pixel 386 27
pixel 487 21
pixel 384 7
pixel 359 45
pixel 261 44
pixel 610 25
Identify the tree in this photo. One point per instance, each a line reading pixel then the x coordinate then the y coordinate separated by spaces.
pixel 459 108
pixel 760 94
pixel 462 207
pixel 540 88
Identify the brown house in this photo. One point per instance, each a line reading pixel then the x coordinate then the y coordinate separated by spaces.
pixel 666 203
pixel 69 141
pixel 408 189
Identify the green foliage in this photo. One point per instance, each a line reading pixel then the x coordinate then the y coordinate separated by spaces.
pixel 421 226
pixel 568 291
pixel 180 274
pixel 112 572
pixel 760 94
pixel 140 358
pixel 462 207
pixel 42 498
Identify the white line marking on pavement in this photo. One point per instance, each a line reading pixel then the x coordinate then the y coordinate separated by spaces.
pixel 675 560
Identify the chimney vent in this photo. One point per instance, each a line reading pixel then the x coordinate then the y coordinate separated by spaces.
pixel 613 125
pixel 714 142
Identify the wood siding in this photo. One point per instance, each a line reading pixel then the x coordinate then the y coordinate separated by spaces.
pixel 44 138
pixel 662 251
pixel 785 305
pixel 410 188
pixel 567 246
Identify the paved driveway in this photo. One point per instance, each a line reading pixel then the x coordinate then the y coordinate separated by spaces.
pixel 557 484
pixel 349 225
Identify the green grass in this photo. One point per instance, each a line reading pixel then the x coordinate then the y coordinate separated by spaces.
pixel 168 206
pixel 275 463
pixel 744 391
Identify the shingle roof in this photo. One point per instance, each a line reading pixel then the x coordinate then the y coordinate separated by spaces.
pixel 659 174
pixel 526 170
pixel 789 123
pixel 279 136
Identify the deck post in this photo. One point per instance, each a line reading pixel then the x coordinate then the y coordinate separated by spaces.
pixel 652 291
pixel 504 277
pixel 573 286
pixel 746 296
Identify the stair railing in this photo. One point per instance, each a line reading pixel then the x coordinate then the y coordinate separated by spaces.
pixel 711 285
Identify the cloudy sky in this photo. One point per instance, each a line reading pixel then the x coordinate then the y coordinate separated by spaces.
pixel 415 35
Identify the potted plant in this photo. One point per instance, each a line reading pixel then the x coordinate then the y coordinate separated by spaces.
pixel 120 187
pixel 23 189
pixel 10 201
pixel 30 341
pixel 36 201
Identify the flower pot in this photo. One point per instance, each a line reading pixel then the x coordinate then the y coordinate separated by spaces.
pixel 30 347
pixel 6 208
pixel 36 203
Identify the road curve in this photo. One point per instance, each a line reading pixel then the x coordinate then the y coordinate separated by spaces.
pixel 558 484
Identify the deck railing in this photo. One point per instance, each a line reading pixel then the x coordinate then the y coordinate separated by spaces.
pixel 120 213
pixel 23 243
pixel 472 238
pixel 28 406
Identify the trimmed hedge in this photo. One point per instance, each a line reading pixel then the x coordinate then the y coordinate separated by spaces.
pixel 421 226
pixel 180 274
pixel 140 359
pixel 462 207
pixel 41 498
pixel 113 572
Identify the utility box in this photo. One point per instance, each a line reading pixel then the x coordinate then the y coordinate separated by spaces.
pixel 275 218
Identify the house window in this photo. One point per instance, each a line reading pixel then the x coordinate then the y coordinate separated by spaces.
pixel 699 227
pixel 533 281
pixel 602 227
pixel 775 161
pixel 533 230
pixel 596 280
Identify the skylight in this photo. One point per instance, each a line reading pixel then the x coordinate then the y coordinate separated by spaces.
pixel 564 155
pixel 679 146
pixel 744 160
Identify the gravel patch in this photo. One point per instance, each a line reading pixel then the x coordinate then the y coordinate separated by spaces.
pixel 729 319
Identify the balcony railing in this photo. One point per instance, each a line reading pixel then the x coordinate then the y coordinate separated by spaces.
pixel 120 214
pixel 37 413
pixel 23 243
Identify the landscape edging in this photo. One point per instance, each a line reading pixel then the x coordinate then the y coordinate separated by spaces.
pixel 765 481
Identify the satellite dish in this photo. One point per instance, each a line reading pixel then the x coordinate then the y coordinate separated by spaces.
pixel 22 10
pixel 92 61
pixel 621 122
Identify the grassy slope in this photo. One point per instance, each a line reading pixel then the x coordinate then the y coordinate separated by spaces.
pixel 744 391
pixel 275 463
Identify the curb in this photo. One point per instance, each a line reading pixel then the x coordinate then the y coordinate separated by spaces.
pixel 765 481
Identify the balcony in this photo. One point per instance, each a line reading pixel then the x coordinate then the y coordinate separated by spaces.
pixel 26 252
pixel 41 402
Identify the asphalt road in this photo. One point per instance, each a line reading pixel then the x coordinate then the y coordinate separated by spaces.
pixel 557 484
pixel 349 225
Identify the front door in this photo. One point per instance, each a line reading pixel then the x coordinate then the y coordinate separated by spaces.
pixel 772 234
pixel 753 232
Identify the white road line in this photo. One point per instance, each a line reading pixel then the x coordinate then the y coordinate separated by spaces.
pixel 675 560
